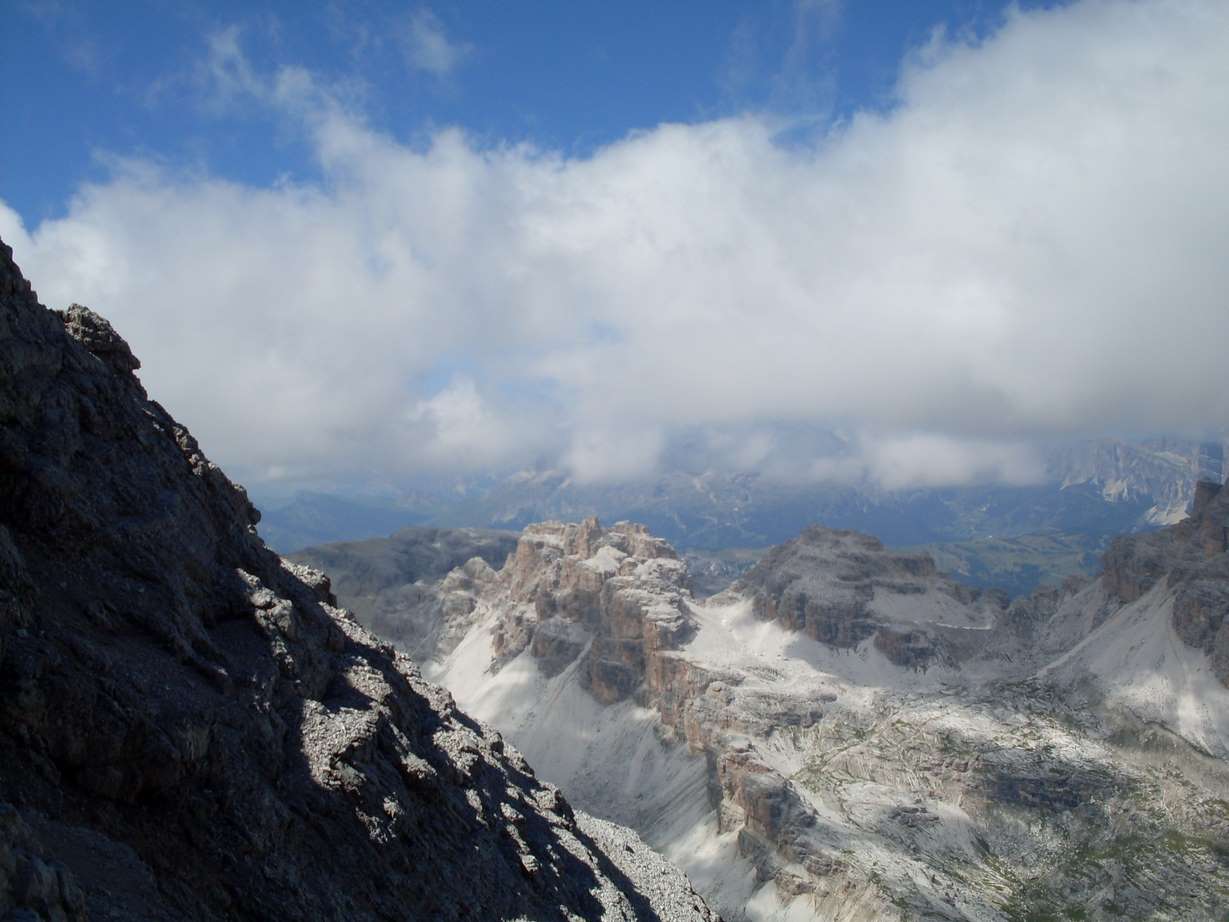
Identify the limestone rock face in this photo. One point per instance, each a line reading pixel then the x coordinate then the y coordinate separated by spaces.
pixel 842 588
pixel 612 597
pixel 1191 559
pixel 190 728
pixel 1162 472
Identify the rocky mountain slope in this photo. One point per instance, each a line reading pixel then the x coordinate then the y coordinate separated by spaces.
pixel 847 735
pixel 191 729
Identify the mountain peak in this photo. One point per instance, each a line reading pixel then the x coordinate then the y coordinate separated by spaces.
pixel 99 337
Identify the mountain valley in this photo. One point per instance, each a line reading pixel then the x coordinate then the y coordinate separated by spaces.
pixel 846 734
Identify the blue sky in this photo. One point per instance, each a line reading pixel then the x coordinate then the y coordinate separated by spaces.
pixel 377 242
pixel 95 80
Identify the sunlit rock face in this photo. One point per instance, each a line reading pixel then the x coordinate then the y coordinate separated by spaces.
pixel 609 599
pixel 846 735
pixel 190 728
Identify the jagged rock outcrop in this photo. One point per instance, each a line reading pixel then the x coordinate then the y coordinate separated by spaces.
pixel 614 595
pixel 30 884
pixel 190 728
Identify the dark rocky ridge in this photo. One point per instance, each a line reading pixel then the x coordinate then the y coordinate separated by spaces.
pixel 189 727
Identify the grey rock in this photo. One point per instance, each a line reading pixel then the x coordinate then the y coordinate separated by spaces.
pixel 842 588
pixel 1192 558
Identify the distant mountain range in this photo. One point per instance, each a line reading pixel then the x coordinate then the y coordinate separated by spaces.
pixel 1012 537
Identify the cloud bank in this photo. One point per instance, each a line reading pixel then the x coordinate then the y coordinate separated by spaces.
pixel 1030 244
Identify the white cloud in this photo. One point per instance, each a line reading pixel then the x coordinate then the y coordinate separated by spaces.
pixel 457 422
pixel 928 460
pixel 224 76
pixel 1030 245
pixel 806 81
pixel 601 452
pixel 427 45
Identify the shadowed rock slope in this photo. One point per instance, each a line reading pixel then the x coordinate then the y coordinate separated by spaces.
pixel 191 729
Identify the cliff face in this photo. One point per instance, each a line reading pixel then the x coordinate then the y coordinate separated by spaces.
pixel 189 726
pixel 614 595
pixel 1191 559
pixel 842 588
